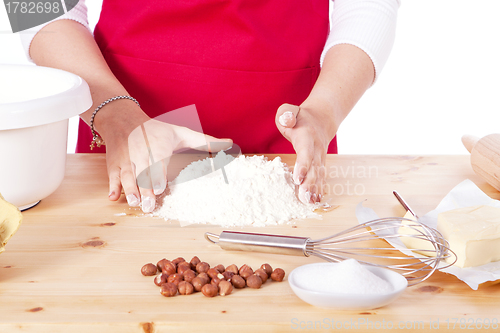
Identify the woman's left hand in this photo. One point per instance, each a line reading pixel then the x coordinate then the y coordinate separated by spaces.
pixel 309 128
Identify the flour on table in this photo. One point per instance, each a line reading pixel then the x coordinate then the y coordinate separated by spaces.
pixel 258 192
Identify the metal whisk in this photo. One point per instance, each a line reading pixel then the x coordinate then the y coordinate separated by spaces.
pixel 357 242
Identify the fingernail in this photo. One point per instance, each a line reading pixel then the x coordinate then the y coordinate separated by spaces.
pixel 314 197
pixel 285 118
pixel 132 200
pixel 230 147
pixel 282 121
pixel 320 197
pixel 157 189
pixel 297 180
pixel 111 193
pixel 304 196
pixel 148 204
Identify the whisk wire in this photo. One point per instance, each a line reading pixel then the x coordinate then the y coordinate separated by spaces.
pixel 336 247
pixel 416 264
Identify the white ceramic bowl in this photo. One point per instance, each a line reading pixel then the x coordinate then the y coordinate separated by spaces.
pixel 35 105
pixel 341 301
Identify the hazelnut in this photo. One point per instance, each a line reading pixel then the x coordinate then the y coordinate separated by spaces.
pixel 175 278
pixel 220 268
pixel 254 281
pixel 210 290
pixel 160 279
pixel 245 271
pixel 238 282
pixel 202 267
pixel 161 264
pixel 217 279
pixel 169 268
pixel 232 268
pixel 262 274
pixel 228 275
pixel 189 275
pixel 185 288
pixel 212 272
pixel 278 275
pixel 149 269
pixel 195 261
pixel 225 288
pixel 268 269
pixel 168 289
pixel 183 266
pixel 198 283
pixel 205 277
pixel 177 261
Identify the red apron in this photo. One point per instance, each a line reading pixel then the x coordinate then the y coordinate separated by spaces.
pixel 236 60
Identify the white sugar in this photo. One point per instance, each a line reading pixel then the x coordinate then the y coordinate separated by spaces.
pixel 346 277
pixel 258 192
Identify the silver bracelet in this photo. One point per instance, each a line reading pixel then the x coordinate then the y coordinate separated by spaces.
pixel 96 138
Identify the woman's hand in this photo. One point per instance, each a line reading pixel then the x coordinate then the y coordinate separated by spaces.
pixel 346 73
pixel 137 162
pixel 309 130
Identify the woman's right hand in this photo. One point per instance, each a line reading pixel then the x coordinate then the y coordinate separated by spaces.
pixel 144 152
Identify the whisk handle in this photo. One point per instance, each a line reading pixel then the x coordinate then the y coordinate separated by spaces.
pixel 253 242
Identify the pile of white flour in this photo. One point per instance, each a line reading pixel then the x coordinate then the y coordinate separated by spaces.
pixel 258 192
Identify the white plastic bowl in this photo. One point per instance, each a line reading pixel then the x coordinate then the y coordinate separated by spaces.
pixel 35 105
pixel 348 301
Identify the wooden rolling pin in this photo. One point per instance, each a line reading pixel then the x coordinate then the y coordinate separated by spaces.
pixel 485 157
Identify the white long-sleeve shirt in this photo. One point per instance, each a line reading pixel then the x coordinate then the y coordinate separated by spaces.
pixel 367 24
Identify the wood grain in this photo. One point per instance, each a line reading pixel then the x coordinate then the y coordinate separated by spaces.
pixel 485 158
pixel 74 265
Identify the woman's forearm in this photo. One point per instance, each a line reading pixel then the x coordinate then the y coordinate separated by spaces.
pixel 347 72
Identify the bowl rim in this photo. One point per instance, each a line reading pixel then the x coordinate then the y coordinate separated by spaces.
pixel 373 269
pixel 40 111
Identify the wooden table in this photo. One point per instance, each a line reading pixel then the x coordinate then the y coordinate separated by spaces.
pixel 74 265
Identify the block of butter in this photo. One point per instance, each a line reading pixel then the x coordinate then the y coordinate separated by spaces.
pixel 10 220
pixel 412 237
pixel 473 234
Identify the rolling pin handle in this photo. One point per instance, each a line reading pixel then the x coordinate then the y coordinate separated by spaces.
pixel 469 141
pixel 209 236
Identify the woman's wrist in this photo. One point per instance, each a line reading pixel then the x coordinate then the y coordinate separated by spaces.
pixel 324 108
pixel 120 117
pixel 96 138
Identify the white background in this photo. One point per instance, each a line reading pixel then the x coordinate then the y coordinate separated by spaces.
pixel 441 81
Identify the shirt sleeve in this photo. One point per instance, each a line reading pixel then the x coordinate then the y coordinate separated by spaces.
pixel 78 14
pixel 367 24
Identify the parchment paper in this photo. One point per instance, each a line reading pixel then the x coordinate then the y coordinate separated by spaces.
pixel 464 194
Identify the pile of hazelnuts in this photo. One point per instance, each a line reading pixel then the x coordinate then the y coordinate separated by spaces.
pixel 185 278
